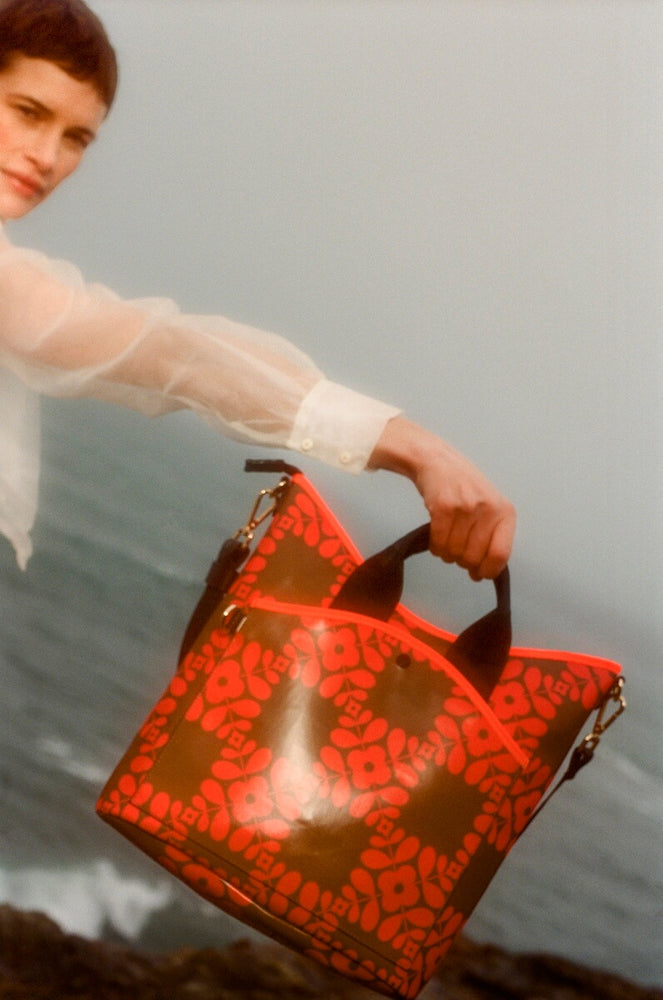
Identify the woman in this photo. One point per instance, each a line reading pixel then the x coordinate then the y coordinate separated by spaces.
pixel 63 337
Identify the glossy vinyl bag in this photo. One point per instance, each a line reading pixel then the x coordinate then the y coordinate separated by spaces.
pixel 335 771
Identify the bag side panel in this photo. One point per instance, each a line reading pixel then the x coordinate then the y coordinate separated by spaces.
pixel 303 738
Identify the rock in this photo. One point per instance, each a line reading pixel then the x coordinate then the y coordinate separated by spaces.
pixel 39 961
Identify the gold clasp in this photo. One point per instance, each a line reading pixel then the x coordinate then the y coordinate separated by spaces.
pixel 256 517
pixel 616 696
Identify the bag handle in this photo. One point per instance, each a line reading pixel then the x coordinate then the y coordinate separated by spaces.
pixel 375 587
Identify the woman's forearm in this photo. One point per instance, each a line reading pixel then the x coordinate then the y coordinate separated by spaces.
pixel 472 524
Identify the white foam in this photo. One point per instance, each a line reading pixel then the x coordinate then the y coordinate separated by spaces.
pixel 59 753
pixel 86 900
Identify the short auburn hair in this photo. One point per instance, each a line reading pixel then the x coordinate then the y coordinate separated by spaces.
pixel 64 32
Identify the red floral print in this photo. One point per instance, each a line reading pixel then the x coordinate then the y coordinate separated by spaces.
pixel 250 800
pixel 350 673
pixel 583 684
pixel 302 652
pixel 510 701
pixel 377 647
pixel 301 519
pixel 481 739
pixel 349 655
pixel 398 888
pixel 475 749
pixel 293 787
pixel 447 927
pixel 347 962
pixel 225 684
pixel 203 880
pixel 347 753
pixel 505 817
pixel 339 649
pixel 369 768
pixel 412 882
pixel 212 810
pixel 232 695
pixel 448 747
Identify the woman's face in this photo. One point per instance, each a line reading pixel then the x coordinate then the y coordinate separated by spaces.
pixel 47 120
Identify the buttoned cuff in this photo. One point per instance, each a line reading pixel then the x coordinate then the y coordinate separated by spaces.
pixel 338 426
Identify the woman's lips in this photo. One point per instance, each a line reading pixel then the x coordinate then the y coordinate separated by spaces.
pixel 26 186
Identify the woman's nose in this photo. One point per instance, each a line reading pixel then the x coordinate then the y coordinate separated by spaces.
pixel 43 151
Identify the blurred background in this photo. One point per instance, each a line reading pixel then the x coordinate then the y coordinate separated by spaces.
pixel 453 206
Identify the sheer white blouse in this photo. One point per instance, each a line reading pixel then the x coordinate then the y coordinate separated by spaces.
pixel 63 337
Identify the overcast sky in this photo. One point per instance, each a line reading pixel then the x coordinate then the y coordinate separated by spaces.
pixel 455 206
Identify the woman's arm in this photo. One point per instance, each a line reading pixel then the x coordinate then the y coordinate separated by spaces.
pixel 472 524
pixel 64 337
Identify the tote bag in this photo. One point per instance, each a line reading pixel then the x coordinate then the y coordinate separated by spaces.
pixel 333 770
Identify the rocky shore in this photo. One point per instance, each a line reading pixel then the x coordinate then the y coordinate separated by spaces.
pixel 38 961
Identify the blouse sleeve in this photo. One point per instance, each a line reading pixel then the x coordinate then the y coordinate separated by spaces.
pixel 63 337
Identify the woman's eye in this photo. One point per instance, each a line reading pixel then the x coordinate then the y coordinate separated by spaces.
pixel 27 111
pixel 78 140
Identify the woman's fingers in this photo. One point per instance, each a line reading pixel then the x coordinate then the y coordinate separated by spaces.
pixel 479 540
pixel 472 524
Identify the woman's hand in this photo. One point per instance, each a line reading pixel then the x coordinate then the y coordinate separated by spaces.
pixel 472 524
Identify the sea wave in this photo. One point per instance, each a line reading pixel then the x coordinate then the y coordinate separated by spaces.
pixel 90 900
pixel 60 753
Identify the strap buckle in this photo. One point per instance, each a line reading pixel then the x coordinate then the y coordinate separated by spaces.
pixel 614 696
pixel 257 516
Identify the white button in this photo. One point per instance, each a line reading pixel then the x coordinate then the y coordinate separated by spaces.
pixel 345 457
pixel 307 444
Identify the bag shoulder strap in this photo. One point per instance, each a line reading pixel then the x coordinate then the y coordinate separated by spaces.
pixel 584 752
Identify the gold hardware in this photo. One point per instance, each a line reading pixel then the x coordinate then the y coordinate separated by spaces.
pixel 614 695
pixel 256 517
pixel 584 751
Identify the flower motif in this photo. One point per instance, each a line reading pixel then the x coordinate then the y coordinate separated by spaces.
pixel 220 705
pixel 359 761
pixel 225 684
pixel 362 896
pixel 235 764
pixel 339 649
pixel 510 701
pixel 480 739
pixel 285 888
pixel 538 688
pixel 250 799
pixel 204 881
pixel 351 667
pixel 399 888
pixel 369 767
pixel 391 901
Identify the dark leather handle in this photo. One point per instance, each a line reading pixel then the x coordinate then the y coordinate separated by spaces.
pixel 375 588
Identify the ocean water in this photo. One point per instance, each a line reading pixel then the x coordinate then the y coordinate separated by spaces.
pixel 132 514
